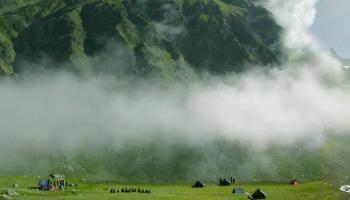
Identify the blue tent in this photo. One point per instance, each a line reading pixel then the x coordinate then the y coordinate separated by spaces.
pixel 238 191
pixel 44 183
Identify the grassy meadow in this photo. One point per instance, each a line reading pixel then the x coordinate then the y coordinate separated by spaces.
pixel 178 191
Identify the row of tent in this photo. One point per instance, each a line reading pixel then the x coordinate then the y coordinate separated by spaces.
pixel 226 182
pixel 258 194
pixel 222 182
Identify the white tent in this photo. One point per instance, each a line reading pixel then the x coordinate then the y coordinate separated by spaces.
pixel 345 192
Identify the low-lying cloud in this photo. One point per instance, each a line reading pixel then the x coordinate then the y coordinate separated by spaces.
pixel 281 105
pixel 297 105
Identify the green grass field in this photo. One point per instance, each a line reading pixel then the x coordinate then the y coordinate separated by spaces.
pixel 98 190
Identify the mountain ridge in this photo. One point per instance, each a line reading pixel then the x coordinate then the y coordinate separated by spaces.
pixel 137 37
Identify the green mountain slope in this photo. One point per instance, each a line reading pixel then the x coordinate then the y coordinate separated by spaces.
pixel 166 161
pixel 138 37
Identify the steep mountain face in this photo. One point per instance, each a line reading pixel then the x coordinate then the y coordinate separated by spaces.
pixel 139 37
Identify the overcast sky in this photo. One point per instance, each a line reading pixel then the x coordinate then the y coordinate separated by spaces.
pixel 332 25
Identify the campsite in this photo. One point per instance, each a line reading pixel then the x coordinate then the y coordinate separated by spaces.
pixel 86 190
pixel 174 100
